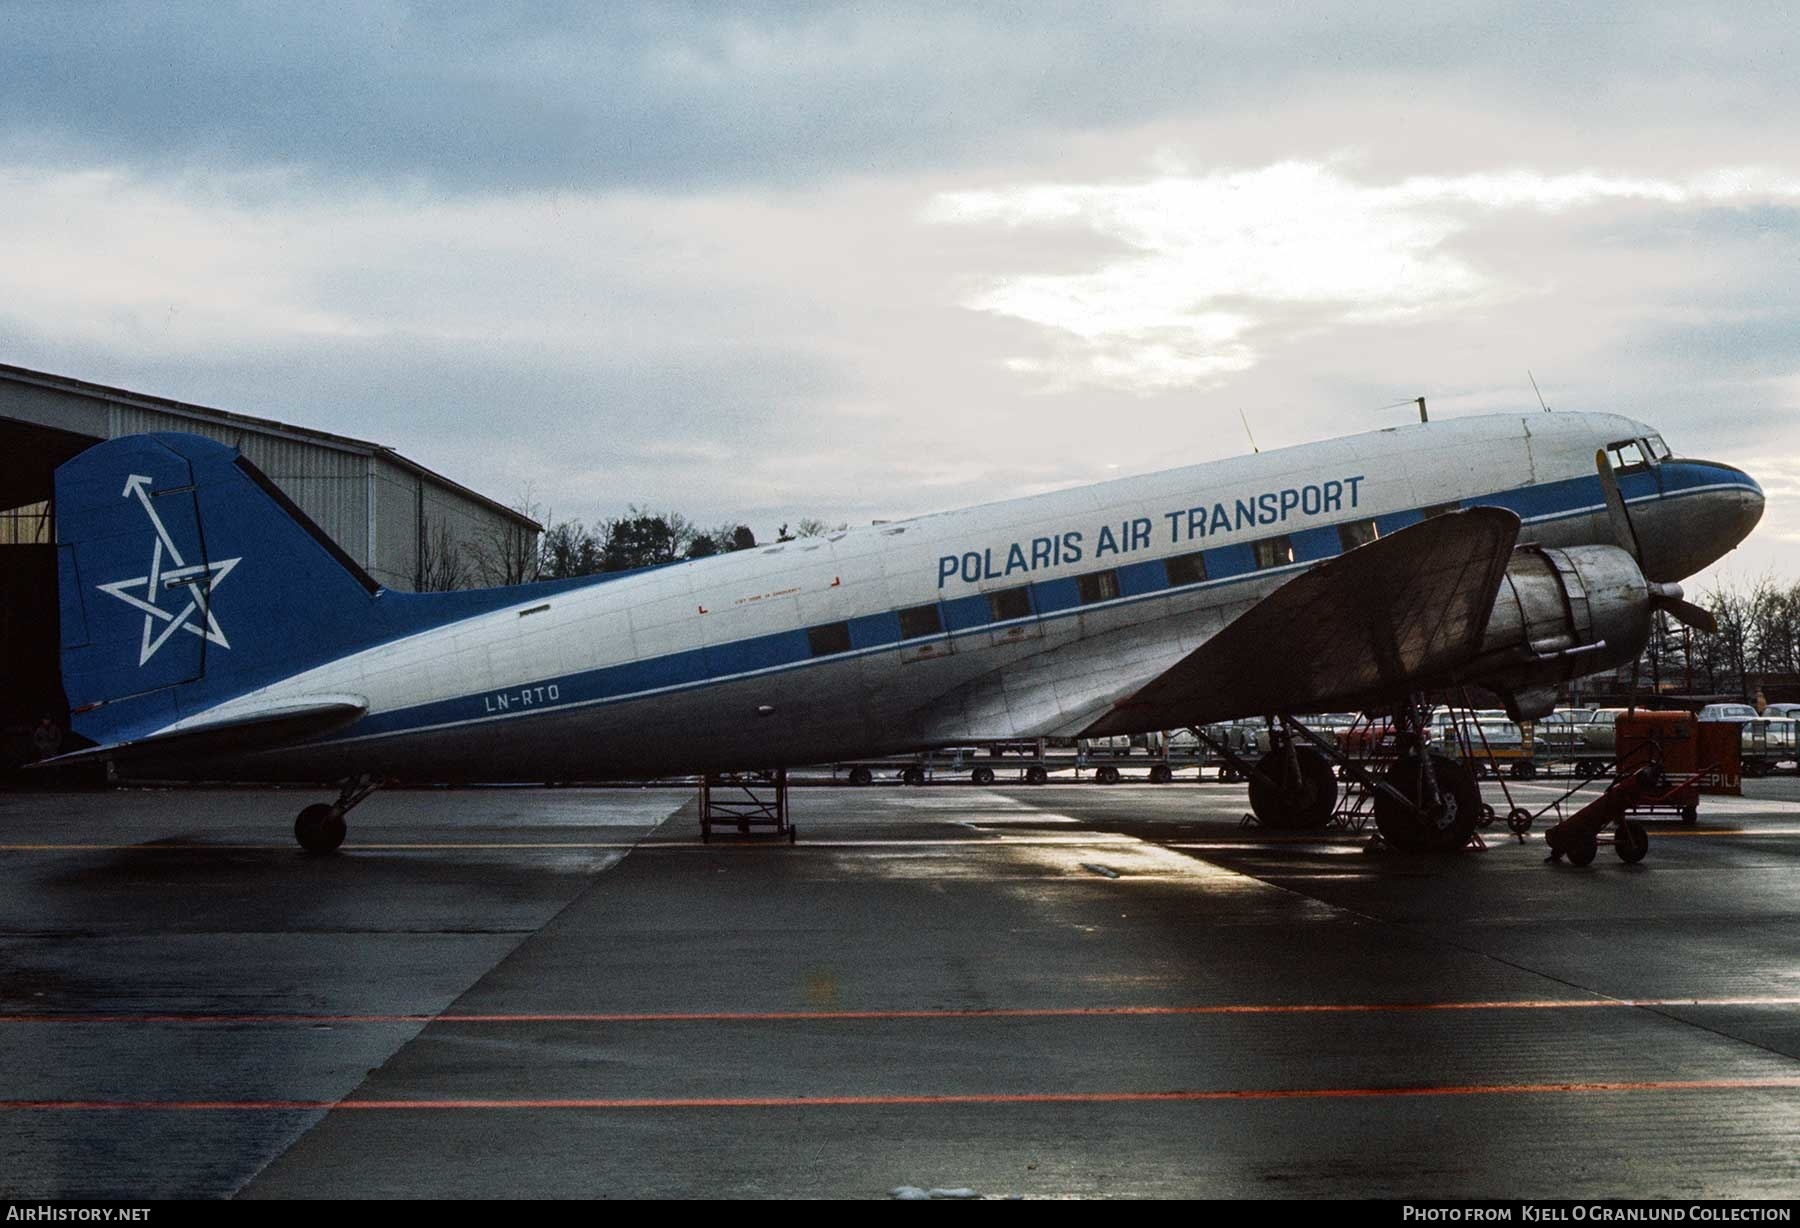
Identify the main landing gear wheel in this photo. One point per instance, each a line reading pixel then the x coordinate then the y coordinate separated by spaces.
pixel 1631 842
pixel 1440 824
pixel 320 828
pixel 1285 804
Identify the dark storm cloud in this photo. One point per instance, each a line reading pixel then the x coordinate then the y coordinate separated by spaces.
pixel 666 95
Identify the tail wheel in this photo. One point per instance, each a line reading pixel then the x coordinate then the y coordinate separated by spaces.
pixel 1440 824
pixel 320 828
pixel 1285 804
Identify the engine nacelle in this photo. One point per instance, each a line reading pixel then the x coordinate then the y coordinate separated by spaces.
pixel 1560 614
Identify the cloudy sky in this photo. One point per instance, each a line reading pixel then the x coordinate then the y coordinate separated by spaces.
pixel 853 261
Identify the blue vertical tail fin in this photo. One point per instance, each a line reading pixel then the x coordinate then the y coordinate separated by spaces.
pixel 186 578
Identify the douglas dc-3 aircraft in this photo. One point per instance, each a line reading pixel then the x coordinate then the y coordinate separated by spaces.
pixel 209 629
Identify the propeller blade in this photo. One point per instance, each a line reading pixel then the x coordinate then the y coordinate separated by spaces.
pixel 1669 599
pixel 1615 506
pixel 1697 617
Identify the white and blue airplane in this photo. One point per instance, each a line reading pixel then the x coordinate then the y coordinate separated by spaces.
pixel 209 629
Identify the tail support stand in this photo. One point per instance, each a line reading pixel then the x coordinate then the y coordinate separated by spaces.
pixel 755 803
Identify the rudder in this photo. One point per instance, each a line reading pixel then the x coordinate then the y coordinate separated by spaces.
pixel 185 578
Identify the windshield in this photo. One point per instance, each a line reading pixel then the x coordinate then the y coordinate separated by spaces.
pixel 1627 454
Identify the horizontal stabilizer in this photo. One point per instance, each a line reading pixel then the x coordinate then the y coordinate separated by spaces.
pixel 244 728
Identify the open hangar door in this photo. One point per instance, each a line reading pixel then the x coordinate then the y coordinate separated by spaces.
pixel 31 689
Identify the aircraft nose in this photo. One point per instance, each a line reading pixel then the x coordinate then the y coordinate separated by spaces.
pixel 1719 510
pixel 1750 505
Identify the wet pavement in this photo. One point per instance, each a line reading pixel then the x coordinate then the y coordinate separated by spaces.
pixel 1072 990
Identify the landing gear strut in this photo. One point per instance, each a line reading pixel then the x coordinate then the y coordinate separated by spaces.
pixel 1426 802
pixel 1293 788
pixel 320 827
pixel 1440 808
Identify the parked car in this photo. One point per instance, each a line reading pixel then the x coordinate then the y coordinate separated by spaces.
pixel 1494 739
pixel 1728 712
pixel 1768 743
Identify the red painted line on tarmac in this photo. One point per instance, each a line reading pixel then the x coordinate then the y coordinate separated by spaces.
pixel 802 1016
pixel 726 841
pixel 974 1098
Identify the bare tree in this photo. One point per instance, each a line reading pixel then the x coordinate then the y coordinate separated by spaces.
pixel 1735 642
pixel 569 548
pixel 811 526
pixel 507 553
pixel 442 565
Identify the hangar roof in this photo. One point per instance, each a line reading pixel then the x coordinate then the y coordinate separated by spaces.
pixel 266 426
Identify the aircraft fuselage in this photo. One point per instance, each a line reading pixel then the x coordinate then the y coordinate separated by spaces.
pixel 1014 619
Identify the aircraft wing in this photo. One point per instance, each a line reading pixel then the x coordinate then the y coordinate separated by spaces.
pixel 243 728
pixel 1371 624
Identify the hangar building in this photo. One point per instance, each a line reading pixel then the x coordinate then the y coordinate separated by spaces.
pixel 408 527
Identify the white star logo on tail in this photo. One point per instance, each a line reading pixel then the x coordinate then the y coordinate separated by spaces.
pixel 199 580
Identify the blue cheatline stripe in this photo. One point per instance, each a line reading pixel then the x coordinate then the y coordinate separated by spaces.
pixel 786 651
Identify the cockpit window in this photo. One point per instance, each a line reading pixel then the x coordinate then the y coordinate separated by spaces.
pixel 1658 449
pixel 1627 454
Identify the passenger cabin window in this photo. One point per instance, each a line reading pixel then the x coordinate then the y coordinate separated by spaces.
pixel 1009 604
pixel 1627 455
pixel 1185 569
pixel 920 620
pixel 829 639
pixel 1357 533
pixel 1274 552
pixel 1099 586
pixel 1439 509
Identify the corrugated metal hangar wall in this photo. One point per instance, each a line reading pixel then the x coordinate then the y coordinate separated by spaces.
pixel 410 528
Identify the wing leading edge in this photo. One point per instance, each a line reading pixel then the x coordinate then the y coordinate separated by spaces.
pixel 1368 625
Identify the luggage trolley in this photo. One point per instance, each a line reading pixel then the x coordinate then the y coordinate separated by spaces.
pixel 1664 760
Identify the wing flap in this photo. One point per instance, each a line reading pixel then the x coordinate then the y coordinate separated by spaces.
pixel 1388 617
